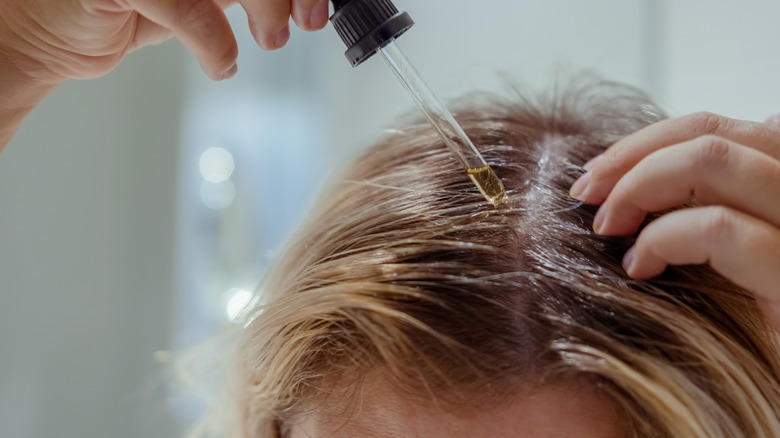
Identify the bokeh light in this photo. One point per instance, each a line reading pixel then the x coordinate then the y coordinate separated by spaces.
pixel 216 165
pixel 237 303
pixel 217 196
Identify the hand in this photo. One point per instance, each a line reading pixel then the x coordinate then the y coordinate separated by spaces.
pixel 729 168
pixel 53 40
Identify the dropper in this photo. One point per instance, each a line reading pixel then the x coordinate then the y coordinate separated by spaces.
pixel 371 26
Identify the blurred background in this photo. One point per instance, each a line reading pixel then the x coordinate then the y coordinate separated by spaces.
pixel 139 211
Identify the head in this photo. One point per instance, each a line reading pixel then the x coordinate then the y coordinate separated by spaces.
pixel 408 306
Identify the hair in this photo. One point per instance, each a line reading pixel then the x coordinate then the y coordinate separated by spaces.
pixel 405 268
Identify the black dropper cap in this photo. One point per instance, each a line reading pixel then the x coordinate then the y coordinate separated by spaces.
pixel 365 26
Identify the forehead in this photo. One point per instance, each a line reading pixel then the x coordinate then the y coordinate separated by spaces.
pixel 558 411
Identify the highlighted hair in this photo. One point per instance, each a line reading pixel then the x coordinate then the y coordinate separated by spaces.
pixel 406 269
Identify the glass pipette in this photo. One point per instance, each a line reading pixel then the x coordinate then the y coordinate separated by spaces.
pixel 445 124
pixel 371 26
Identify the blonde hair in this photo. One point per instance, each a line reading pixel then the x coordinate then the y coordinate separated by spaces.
pixel 406 269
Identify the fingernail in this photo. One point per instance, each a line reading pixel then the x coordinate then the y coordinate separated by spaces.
pixel 577 190
pixel 229 73
pixel 628 259
pixel 282 37
pixel 598 221
pixel 319 14
pixel 593 162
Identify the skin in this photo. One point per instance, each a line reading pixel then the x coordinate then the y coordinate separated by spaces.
pixel 731 168
pixel 46 42
pixel 557 411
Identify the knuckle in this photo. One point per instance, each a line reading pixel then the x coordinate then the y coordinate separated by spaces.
pixel 710 151
pixel 719 223
pixel 705 122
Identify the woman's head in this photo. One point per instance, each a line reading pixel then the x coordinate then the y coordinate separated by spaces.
pixel 408 300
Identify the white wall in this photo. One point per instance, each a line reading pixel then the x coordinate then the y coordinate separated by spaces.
pixel 86 219
pixel 94 189
pixel 721 56
pixel 461 46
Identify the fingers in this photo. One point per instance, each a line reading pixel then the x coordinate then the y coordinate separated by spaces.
pixel 741 247
pixel 202 27
pixel 626 153
pixel 268 21
pixel 709 169
pixel 310 14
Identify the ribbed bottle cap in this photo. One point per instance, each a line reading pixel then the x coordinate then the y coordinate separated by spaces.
pixel 367 25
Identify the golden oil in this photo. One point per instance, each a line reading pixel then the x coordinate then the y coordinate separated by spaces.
pixel 489 185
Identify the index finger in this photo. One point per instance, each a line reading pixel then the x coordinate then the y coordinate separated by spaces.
pixel 629 151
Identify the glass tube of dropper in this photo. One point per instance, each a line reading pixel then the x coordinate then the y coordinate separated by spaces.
pixel 445 124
